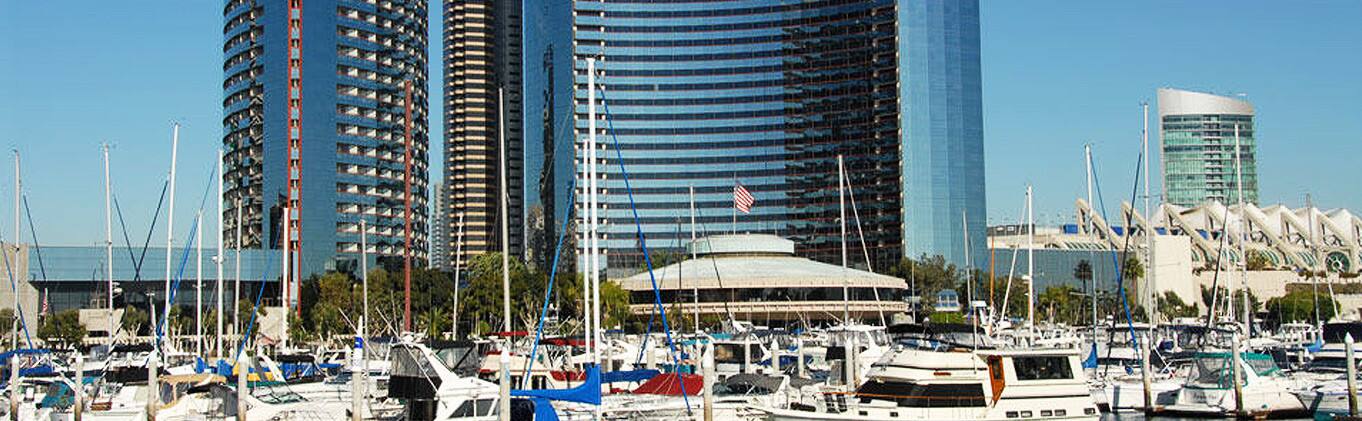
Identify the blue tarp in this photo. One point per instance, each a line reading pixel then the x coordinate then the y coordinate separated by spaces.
pixel 588 392
pixel 629 376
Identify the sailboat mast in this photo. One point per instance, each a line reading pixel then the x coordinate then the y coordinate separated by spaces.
pixel 236 295
pixel 696 286
pixel 842 218
pixel 458 262
pixel 1087 160
pixel 364 274
pixel 170 211
pixel 198 283
pixel 505 383
pixel 108 237
pixel 1149 221
pixel 1243 233
pixel 593 261
pixel 1030 261
pixel 217 260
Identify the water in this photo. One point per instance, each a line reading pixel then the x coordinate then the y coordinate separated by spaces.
pixel 1136 416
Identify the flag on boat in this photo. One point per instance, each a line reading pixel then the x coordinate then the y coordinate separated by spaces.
pixel 742 200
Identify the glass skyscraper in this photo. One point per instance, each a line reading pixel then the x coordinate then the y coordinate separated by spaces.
pixel 941 112
pixel 324 109
pixel 767 94
pixel 1197 141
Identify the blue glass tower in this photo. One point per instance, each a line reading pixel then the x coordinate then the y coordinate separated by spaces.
pixel 324 108
pixel 941 111
pixel 762 93
pixel 767 94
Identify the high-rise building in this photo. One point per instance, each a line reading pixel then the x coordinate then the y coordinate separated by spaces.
pixel 441 246
pixel 1196 132
pixel 324 112
pixel 941 115
pixel 767 94
pixel 548 130
pixel 482 61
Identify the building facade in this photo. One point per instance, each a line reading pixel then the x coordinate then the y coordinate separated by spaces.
pixel 1197 138
pixel 767 94
pixel 324 112
pixel 941 115
pixel 482 60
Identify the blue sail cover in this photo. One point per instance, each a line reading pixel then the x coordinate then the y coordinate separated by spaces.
pixel 588 392
pixel 1091 361
pixel 629 376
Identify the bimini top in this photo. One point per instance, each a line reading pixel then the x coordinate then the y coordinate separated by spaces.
pixel 754 261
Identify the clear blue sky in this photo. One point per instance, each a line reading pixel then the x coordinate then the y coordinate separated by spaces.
pixel 1057 74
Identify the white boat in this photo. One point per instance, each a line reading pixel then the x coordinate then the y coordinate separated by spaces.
pixel 948 374
pixel 1209 389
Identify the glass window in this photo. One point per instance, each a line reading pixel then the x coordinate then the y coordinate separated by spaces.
pixel 1042 368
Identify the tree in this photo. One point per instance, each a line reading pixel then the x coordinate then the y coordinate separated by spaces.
pixel 6 321
pixel 63 328
pixel 1257 260
pixel 1299 306
pixel 133 320
pixel 1059 303
pixel 1171 305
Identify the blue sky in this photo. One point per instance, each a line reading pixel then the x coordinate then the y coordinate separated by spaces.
pixel 1057 74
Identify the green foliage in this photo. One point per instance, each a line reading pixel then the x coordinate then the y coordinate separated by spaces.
pixel 1060 304
pixel 134 319
pixel 1299 306
pixel 946 317
pixel 6 321
pixel 63 328
pixel 1171 306
pixel 1258 261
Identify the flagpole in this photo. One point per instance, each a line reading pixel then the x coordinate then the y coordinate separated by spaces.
pixel 734 229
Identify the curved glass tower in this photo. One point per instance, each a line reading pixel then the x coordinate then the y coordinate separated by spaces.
pixel 762 93
pixel 767 94
pixel 324 109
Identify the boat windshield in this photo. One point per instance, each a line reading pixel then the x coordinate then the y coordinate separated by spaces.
pixel 1215 369
pixel 274 393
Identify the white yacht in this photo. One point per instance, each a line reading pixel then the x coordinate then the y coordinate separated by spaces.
pixel 1209 388
pixel 945 372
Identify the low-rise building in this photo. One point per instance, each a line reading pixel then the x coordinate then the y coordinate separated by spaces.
pixel 757 277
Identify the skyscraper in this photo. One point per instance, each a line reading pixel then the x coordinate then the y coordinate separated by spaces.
pixel 324 112
pixel 768 94
pixel 482 56
pixel 941 113
pixel 441 245
pixel 1196 132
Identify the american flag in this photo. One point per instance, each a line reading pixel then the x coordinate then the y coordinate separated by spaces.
pixel 742 200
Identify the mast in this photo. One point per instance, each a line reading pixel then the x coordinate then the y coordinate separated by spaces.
pixel 1030 261
pixel 1314 280
pixel 170 212
pixel 1087 160
pixel 1149 222
pixel 594 261
pixel 198 283
pixel 458 262
pixel 18 228
pixel 108 239
pixel 842 218
pixel 585 197
pixel 364 284
pixel 284 275
pixel 406 208
pixel 217 261
pixel 505 383
pixel 1243 235
pixel 236 296
pixel 696 286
